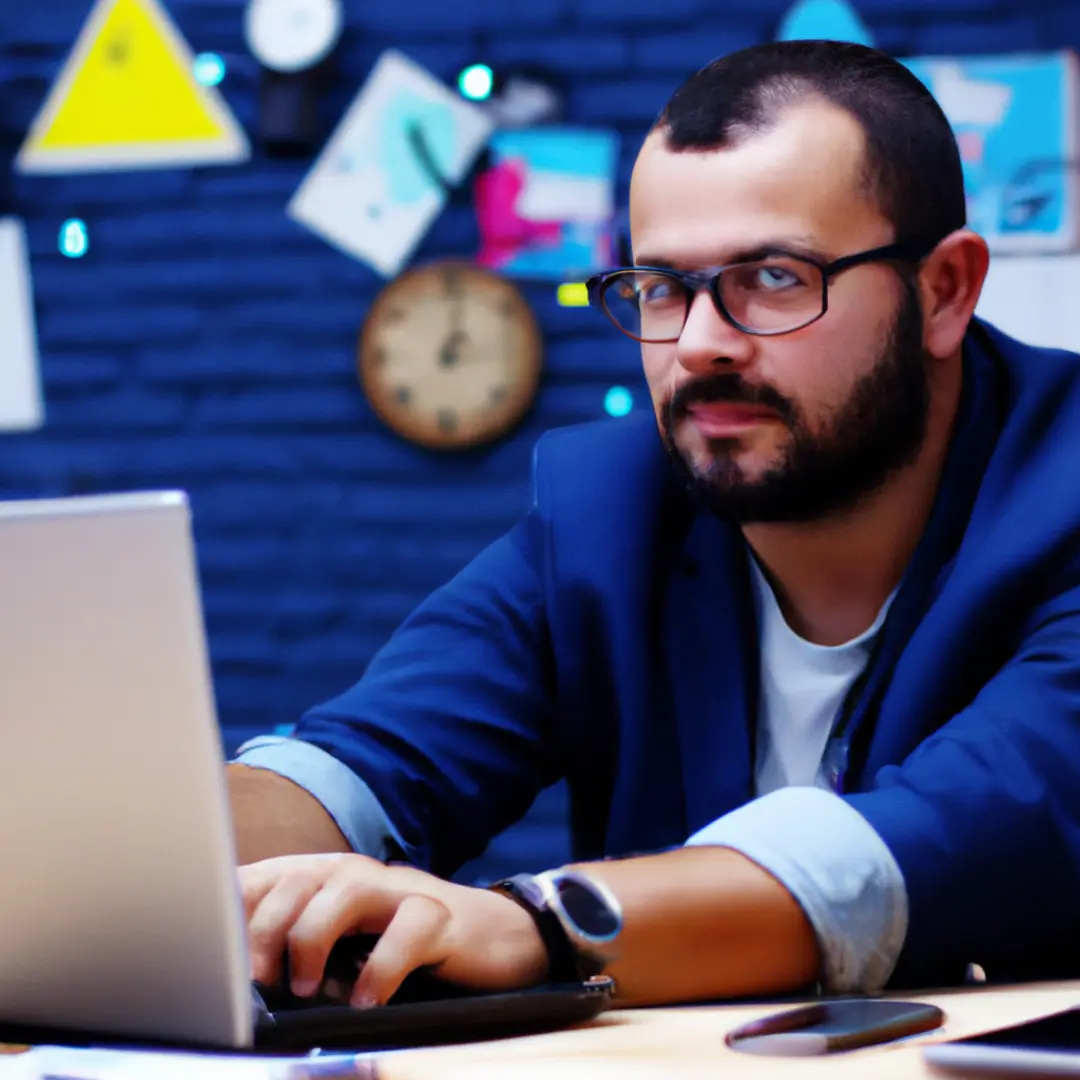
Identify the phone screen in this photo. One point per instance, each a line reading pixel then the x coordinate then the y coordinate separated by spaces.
pixel 829 1026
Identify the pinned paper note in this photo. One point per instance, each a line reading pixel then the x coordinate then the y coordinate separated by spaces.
pixel 546 204
pixel 831 20
pixel 128 98
pixel 1014 121
pixel 383 176
pixel 21 406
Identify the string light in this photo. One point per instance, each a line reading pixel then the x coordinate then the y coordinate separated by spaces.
pixel 618 401
pixel 208 69
pixel 476 82
pixel 74 241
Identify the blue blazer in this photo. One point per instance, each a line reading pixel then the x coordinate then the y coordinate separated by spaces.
pixel 610 638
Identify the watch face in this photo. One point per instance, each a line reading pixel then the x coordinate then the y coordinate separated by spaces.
pixel 593 913
pixel 290 35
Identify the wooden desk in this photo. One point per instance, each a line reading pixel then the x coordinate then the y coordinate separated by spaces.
pixel 688 1044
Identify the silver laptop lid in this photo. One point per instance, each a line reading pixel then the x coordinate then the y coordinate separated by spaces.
pixel 119 910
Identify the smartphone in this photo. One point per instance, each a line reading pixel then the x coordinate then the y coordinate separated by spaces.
pixel 831 1025
pixel 1049 1046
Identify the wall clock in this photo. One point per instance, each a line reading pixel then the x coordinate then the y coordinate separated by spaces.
pixel 292 35
pixel 450 355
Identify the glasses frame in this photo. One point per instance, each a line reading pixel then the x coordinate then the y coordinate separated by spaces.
pixel 709 280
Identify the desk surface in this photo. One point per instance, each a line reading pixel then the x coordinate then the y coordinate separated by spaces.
pixel 643 1044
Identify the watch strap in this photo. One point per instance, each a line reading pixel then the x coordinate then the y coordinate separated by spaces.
pixel 564 962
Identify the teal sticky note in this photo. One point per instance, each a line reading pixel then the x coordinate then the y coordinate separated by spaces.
pixel 833 20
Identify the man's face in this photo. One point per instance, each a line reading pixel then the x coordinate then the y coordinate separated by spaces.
pixel 800 425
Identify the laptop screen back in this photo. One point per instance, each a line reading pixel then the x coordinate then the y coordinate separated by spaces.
pixel 120 910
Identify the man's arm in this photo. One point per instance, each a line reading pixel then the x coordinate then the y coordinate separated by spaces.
pixel 273 816
pixel 444 742
pixel 699 923
pixel 705 922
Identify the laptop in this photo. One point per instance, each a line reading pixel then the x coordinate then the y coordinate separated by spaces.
pixel 120 914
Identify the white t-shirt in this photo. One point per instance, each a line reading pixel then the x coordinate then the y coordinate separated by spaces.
pixel 802 686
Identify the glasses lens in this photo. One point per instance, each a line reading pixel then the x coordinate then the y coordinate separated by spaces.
pixel 772 295
pixel 645 304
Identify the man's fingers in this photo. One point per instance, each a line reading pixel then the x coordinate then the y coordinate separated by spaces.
pixel 257 879
pixel 347 902
pixel 415 937
pixel 272 919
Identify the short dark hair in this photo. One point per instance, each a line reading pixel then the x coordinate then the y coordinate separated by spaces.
pixel 912 163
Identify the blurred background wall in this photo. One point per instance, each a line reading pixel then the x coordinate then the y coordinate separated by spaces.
pixel 207 342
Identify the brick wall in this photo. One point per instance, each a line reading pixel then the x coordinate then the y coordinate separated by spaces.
pixel 207 342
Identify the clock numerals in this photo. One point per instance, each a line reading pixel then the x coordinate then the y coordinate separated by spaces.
pixel 447 419
pixel 497 394
pixel 403 395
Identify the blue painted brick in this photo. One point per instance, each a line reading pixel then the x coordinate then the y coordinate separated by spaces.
pixel 129 408
pixel 685 53
pixel 601 356
pixel 70 325
pixel 636 101
pixel 585 53
pixel 985 37
pixel 436 17
pixel 622 12
pixel 944 10
pixel 278 407
pixel 252 362
pixel 82 370
pixel 66 196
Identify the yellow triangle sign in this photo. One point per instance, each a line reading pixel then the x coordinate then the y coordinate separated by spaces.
pixel 127 98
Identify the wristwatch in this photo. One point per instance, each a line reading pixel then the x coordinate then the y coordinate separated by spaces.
pixel 579 920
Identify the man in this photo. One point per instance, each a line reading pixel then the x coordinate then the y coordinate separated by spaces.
pixel 821 658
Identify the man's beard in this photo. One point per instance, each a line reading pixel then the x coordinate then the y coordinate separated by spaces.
pixel 878 430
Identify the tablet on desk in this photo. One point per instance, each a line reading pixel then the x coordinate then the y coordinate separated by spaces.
pixel 1047 1047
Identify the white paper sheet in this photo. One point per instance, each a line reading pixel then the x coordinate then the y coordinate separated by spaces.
pixel 21 406
pixel 368 192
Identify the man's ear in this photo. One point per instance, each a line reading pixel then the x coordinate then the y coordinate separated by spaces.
pixel 950 281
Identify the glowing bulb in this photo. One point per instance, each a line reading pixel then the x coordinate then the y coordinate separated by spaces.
pixel 208 69
pixel 74 241
pixel 618 401
pixel 476 82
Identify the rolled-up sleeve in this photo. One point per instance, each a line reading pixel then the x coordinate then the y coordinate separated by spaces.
pixel 828 856
pixel 344 796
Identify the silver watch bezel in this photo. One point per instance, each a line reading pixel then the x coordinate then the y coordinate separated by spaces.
pixel 598 947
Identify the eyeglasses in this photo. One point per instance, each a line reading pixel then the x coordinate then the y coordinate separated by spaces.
pixel 776 294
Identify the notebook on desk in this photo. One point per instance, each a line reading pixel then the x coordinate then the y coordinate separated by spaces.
pixel 120 916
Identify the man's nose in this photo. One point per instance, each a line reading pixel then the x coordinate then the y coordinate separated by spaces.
pixel 708 342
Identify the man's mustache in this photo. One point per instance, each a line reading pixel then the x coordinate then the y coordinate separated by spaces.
pixel 730 388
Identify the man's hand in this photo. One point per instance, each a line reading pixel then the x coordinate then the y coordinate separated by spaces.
pixel 302 904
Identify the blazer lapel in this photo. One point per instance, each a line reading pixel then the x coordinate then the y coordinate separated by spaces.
pixel 712 667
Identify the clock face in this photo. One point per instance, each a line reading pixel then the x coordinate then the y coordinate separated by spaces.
pixel 290 35
pixel 450 355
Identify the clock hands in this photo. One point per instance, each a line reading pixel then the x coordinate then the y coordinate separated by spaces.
pixel 450 351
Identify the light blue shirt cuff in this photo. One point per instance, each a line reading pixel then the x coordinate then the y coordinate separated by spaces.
pixel 827 855
pixel 344 796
